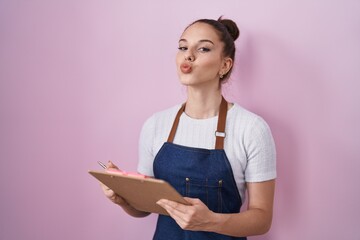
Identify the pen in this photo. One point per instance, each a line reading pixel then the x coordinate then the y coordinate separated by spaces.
pixel 102 165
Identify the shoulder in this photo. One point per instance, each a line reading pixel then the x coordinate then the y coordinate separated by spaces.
pixel 249 127
pixel 245 118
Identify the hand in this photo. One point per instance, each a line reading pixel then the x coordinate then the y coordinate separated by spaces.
pixel 195 217
pixel 110 194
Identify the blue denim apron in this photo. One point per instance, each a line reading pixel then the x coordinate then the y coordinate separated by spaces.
pixel 197 173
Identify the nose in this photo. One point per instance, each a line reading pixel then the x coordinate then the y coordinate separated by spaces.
pixel 189 58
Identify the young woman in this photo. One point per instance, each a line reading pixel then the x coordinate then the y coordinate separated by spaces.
pixel 209 150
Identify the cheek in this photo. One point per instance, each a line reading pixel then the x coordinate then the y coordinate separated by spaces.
pixel 212 64
pixel 178 62
pixel 178 59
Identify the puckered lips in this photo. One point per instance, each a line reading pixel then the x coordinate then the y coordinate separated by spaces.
pixel 185 68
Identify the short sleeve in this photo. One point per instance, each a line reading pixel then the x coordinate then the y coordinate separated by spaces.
pixel 146 154
pixel 261 152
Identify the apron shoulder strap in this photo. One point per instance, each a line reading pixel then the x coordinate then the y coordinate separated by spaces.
pixel 175 124
pixel 220 132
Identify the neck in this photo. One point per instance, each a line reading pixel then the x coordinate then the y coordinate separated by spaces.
pixel 202 103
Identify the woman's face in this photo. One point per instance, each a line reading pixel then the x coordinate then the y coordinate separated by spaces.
pixel 199 59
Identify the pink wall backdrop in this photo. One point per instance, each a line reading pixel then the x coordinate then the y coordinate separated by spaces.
pixel 79 78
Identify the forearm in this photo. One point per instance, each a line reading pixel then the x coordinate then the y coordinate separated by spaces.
pixel 247 223
pixel 132 211
pixel 254 221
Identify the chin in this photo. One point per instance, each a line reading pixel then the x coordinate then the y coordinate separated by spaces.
pixel 190 81
pixel 186 80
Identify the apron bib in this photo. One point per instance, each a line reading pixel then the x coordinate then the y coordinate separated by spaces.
pixel 197 173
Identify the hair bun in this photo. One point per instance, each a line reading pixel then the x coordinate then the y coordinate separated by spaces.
pixel 231 27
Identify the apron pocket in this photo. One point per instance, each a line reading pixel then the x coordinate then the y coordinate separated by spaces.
pixel 209 191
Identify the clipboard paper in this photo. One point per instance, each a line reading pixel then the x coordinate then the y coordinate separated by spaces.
pixel 140 192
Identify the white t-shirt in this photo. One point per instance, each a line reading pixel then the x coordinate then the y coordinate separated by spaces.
pixel 248 144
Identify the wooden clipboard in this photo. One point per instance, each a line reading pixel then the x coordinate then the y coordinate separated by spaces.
pixel 140 192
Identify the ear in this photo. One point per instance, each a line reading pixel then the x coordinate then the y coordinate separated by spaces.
pixel 226 66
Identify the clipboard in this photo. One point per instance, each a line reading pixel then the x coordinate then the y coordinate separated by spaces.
pixel 140 192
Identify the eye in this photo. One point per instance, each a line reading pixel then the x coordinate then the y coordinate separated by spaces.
pixel 182 48
pixel 204 49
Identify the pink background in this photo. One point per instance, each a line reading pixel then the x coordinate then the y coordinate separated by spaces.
pixel 79 78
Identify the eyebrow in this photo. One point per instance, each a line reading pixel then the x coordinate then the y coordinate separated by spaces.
pixel 200 41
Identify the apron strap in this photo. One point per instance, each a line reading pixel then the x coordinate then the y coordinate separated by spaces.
pixel 220 132
pixel 175 124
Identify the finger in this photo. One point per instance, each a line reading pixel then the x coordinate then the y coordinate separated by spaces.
pixel 181 218
pixel 103 186
pixel 173 212
pixel 180 221
pixel 192 200
pixel 167 204
pixel 111 165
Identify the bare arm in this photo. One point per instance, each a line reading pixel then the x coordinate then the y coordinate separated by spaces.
pixel 256 220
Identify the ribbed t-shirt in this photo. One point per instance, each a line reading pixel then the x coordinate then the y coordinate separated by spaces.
pixel 248 144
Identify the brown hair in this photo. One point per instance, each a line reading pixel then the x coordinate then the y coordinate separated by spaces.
pixel 228 32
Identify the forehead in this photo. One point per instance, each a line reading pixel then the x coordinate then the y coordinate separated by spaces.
pixel 200 31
